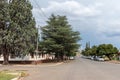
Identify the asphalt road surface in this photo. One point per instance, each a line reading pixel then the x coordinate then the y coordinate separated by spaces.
pixel 79 69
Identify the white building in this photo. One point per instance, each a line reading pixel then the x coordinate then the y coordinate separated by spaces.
pixel 29 57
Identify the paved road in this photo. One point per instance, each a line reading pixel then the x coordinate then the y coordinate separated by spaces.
pixel 80 69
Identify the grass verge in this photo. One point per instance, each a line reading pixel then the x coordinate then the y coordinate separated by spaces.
pixel 9 75
pixel 5 76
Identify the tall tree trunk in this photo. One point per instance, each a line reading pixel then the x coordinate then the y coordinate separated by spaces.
pixel 5 56
pixel 57 56
pixel 109 57
pixel 61 57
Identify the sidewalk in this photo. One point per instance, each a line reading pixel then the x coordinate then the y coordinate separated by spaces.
pixel 38 65
pixel 114 61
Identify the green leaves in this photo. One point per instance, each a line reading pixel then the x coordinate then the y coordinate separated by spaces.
pixel 102 50
pixel 107 49
pixel 20 36
pixel 59 37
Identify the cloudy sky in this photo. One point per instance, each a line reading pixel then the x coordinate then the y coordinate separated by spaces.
pixel 98 21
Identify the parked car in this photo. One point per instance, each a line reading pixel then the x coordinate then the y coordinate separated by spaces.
pixel 92 57
pixel 72 58
pixel 100 59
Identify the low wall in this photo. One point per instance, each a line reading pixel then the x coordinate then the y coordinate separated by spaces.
pixel 31 61
pixel 23 62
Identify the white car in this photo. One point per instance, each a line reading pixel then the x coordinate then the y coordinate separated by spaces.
pixel 92 58
pixel 100 59
pixel 72 58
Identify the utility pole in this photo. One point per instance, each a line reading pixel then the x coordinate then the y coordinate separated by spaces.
pixel 37 51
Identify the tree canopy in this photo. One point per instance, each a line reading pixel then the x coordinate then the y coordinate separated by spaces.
pixel 107 50
pixel 20 36
pixel 59 38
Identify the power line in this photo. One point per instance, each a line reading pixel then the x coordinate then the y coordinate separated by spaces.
pixel 40 17
pixel 39 7
pixel 42 13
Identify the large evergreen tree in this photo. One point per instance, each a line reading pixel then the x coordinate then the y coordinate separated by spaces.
pixel 59 38
pixel 4 17
pixel 19 38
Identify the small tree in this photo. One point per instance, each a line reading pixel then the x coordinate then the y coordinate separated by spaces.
pixel 88 50
pixel 94 50
pixel 107 49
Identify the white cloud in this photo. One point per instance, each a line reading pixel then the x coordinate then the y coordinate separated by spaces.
pixel 109 28
pixel 74 11
pixel 73 8
pixel 97 20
